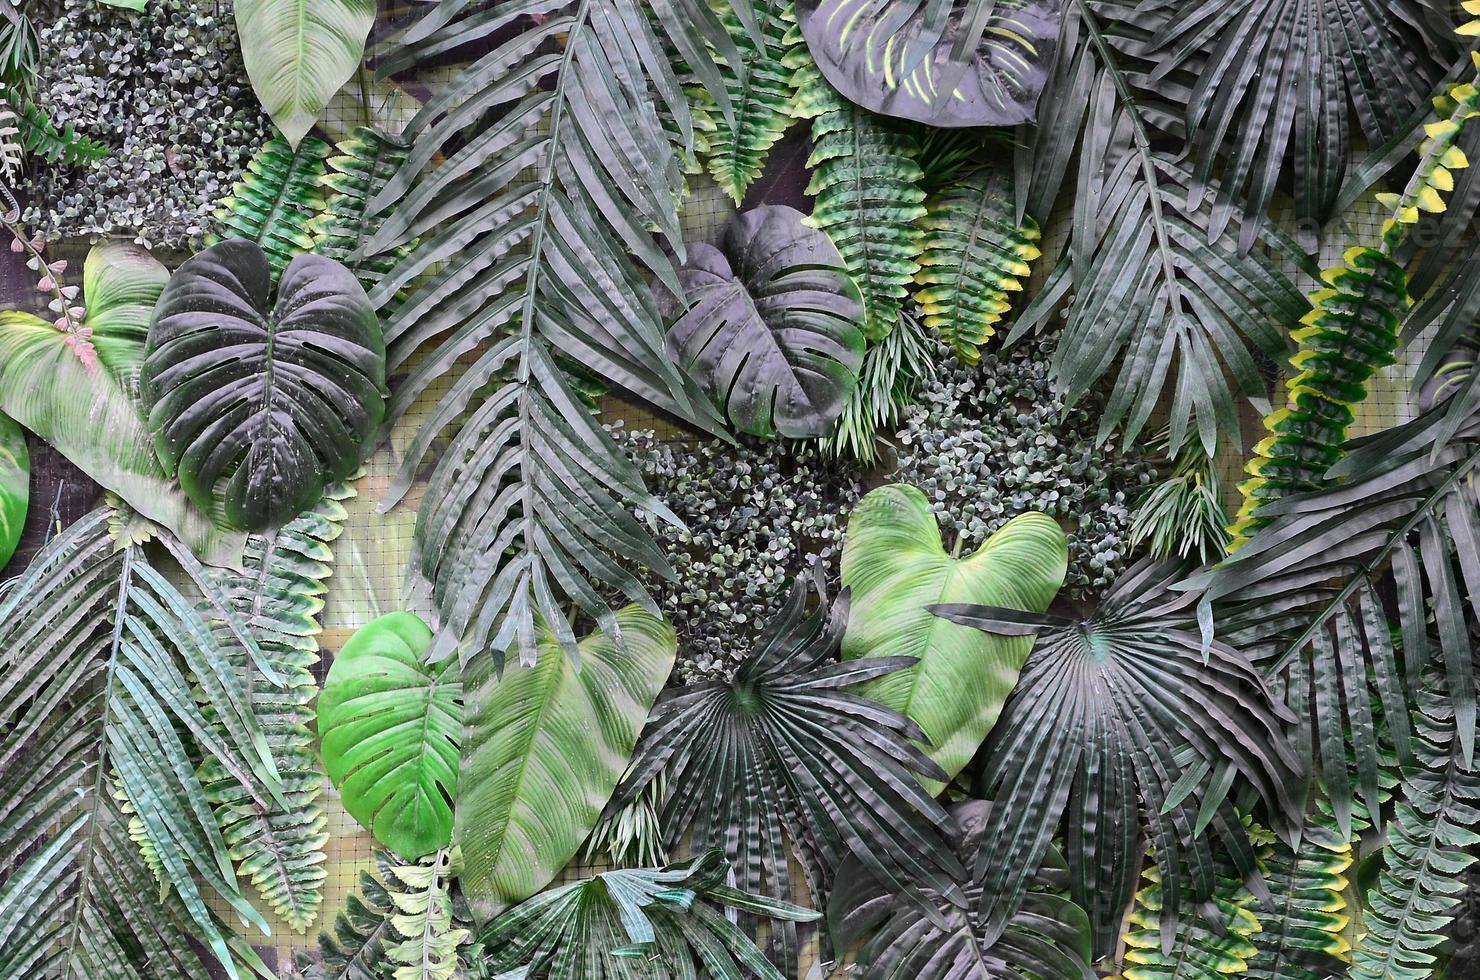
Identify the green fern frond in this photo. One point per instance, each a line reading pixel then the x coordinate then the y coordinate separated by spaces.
pixel 866 181
pixel 1303 936
pixel 1187 947
pixel 1427 851
pixel 761 96
pixel 892 372
pixel 356 949
pixel 973 257
pixel 12 153
pixel 358 169
pixel 1350 334
pixel 60 147
pixel 275 200
pixel 279 595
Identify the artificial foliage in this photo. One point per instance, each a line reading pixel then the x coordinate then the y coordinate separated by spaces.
pixel 15 486
pixel 276 199
pixel 761 93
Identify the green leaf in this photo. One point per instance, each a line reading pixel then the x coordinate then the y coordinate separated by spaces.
pixel 771 332
pixel 1176 942
pixel 15 486
pixel 895 566
pixel 276 200
pixel 761 95
pixel 978 63
pixel 546 746
pixel 357 170
pixel 261 404
pixel 299 52
pixel 139 5
pixel 389 730
pixel 121 282
pixel 87 416
pixel 63 147
pixel 893 369
pixel 1302 937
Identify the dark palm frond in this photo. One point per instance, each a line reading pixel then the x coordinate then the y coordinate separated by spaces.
pixel 660 924
pixel 1350 334
pixel 866 181
pixel 106 668
pixel 279 595
pixel 1048 937
pixel 541 184
pixel 1114 726
pixel 1174 317
pixel 893 370
pixel 357 169
pixel 1189 942
pixel 1261 63
pixel 784 752
pixel 974 255
pixel 761 96
pixel 1430 843
pixel 275 200
pixel 1302 937
pixel 1393 537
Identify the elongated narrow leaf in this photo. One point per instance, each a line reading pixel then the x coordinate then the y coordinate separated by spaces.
pixel 546 745
pixel 895 567
pixel 15 486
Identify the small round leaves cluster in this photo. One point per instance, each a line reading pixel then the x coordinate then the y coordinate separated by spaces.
pixel 166 91
pixel 990 442
pixel 756 515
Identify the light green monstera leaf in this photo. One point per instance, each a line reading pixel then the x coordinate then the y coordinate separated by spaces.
pixel 122 282
pixel 546 745
pixel 895 567
pixel 390 728
pixel 15 486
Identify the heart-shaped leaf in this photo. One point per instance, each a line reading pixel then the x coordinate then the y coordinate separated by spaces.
pixel 773 332
pixel 263 404
pixel 915 60
pixel 389 730
pixel 546 747
pixel 15 486
pixel 895 566
pixel 299 52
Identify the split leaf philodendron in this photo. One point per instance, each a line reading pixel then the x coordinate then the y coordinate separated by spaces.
pixel 389 729
pixel 895 566
pixel 547 745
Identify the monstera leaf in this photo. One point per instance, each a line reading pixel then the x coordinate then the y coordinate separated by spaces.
pixel 895 566
pixel 389 730
pixel 773 332
pixel 79 408
pixel 299 52
pixel 974 63
pixel 15 486
pixel 122 282
pixel 264 404
pixel 548 744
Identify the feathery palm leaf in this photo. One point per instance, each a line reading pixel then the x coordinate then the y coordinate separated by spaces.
pixel 276 199
pixel 1115 723
pixel 784 751
pixel 106 668
pixel 558 184
pixel 893 370
pixel 761 96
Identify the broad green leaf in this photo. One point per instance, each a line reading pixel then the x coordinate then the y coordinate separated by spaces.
pixel 545 748
pixel 895 566
pixel 389 729
pixel 83 412
pixel 15 486
pixel 299 52
pixel 121 282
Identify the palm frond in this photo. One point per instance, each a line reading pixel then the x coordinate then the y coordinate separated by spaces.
pixel 278 595
pixel 866 181
pixel 1429 845
pixel 1302 937
pixel 893 370
pixel 541 179
pixel 105 667
pixel 761 96
pixel 275 200
pixel 1115 724
pixel 784 751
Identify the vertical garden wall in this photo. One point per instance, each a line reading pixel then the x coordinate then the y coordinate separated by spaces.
pixel 658 489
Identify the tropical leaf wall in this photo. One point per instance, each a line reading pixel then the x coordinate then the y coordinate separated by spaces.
pixel 351 631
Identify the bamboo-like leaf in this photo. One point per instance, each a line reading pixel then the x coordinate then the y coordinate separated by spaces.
pixel 276 200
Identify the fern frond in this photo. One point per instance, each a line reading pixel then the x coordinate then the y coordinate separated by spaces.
pixel 1187 946
pixel 278 596
pixel 1428 847
pixel 356 172
pixel 541 185
pixel 761 96
pixel 106 668
pixel 866 180
pixel 275 200
pixel 973 256
pixel 63 147
pixel 1303 936
pixel 1350 334
pixel 12 154
pixel 893 370
pixel 356 949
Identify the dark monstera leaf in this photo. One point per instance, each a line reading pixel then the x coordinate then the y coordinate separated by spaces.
pixel 773 332
pixel 957 63
pixel 262 404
